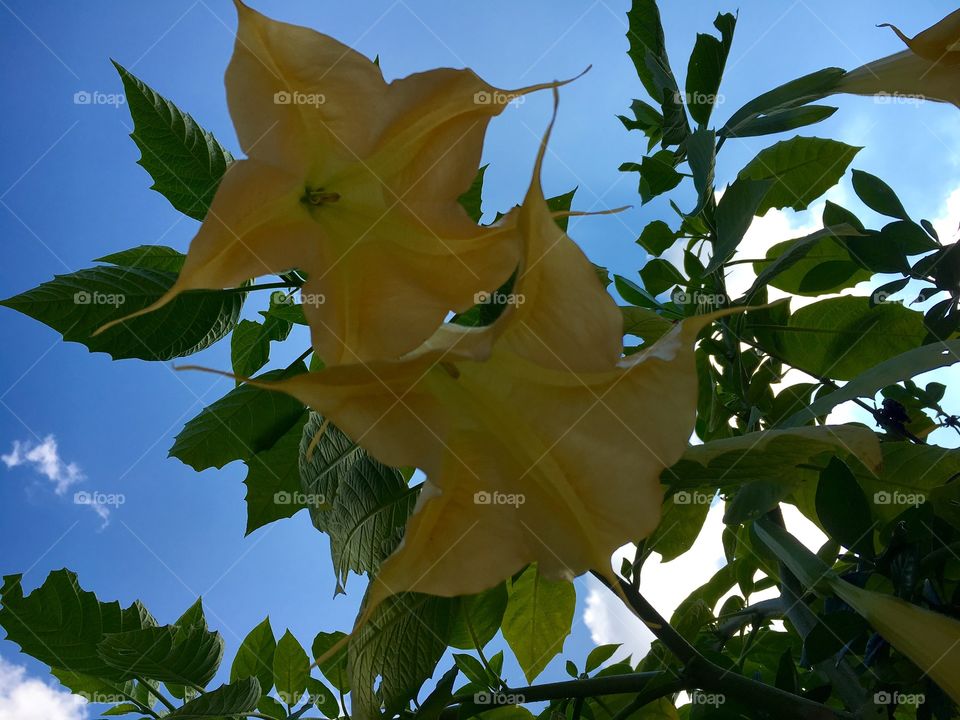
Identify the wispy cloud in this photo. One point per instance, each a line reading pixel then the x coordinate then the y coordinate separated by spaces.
pixel 45 459
pixel 25 698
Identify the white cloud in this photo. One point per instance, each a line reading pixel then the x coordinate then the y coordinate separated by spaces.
pixel 666 585
pixel 45 459
pixel 23 698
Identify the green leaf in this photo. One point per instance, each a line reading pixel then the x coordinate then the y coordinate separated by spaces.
pixel 61 625
pixel 754 500
pixel 795 266
pixel 401 643
pixel 644 324
pixel 908 237
pixel 659 276
pixel 648 51
pixel 273 482
pixel 782 120
pixel 250 343
pixel 122 709
pixel 478 619
pixel 559 204
pixel 147 257
pixel 791 94
pixel 284 307
pixel 842 337
pixel 705 70
pixel 802 169
pixel 808 568
pixel 228 701
pixel 334 669
pixel 538 618
pixel 735 213
pixel 868 384
pixel 598 656
pixel 658 174
pixel 78 304
pixel 184 160
pixel 366 503
pixel 843 509
pixel 681 520
pixel 254 657
pixel 647 119
pixel 185 656
pixel 472 199
pixel 245 421
pixel 271 707
pixel 657 237
pixel 878 196
pixel 702 156
pixel 291 668
pixel 786 456
pixel 322 697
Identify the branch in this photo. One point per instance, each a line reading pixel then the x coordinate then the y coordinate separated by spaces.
pixel 751 615
pixel 699 673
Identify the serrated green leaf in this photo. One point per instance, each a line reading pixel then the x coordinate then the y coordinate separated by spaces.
pixel 273 482
pixel 78 304
pixel 147 257
pixel 245 421
pixel 184 160
pixel 227 701
pixel 537 619
pixel 188 656
pixel 61 625
pixel 401 643
pixel 250 343
pixel 291 668
pixel 254 657
pixel 801 170
pixel 366 503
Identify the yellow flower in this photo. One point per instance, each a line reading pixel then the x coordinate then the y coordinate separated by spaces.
pixel 540 443
pixel 929 69
pixel 354 181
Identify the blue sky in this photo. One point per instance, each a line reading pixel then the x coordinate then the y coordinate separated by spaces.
pixel 71 192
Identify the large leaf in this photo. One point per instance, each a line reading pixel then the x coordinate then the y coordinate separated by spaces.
pixel 868 384
pixel 61 624
pixel 273 482
pixel 244 422
pixel 705 70
pixel 735 212
pixel 401 643
pixel 366 504
pixel 479 618
pixel 802 169
pixel 537 619
pixel 789 457
pixel 291 668
pixel 147 257
pixel 843 337
pixel 228 701
pixel 184 160
pixel 78 304
pixel 333 668
pixel 170 654
pixel 254 657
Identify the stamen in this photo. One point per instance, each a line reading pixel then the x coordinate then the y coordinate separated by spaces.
pixel 319 196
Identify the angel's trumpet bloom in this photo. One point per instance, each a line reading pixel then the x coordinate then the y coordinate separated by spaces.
pixel 354 181
pixel 540 443
pixel 929 69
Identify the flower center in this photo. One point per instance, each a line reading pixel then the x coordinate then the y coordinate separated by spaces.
pixel 318 197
